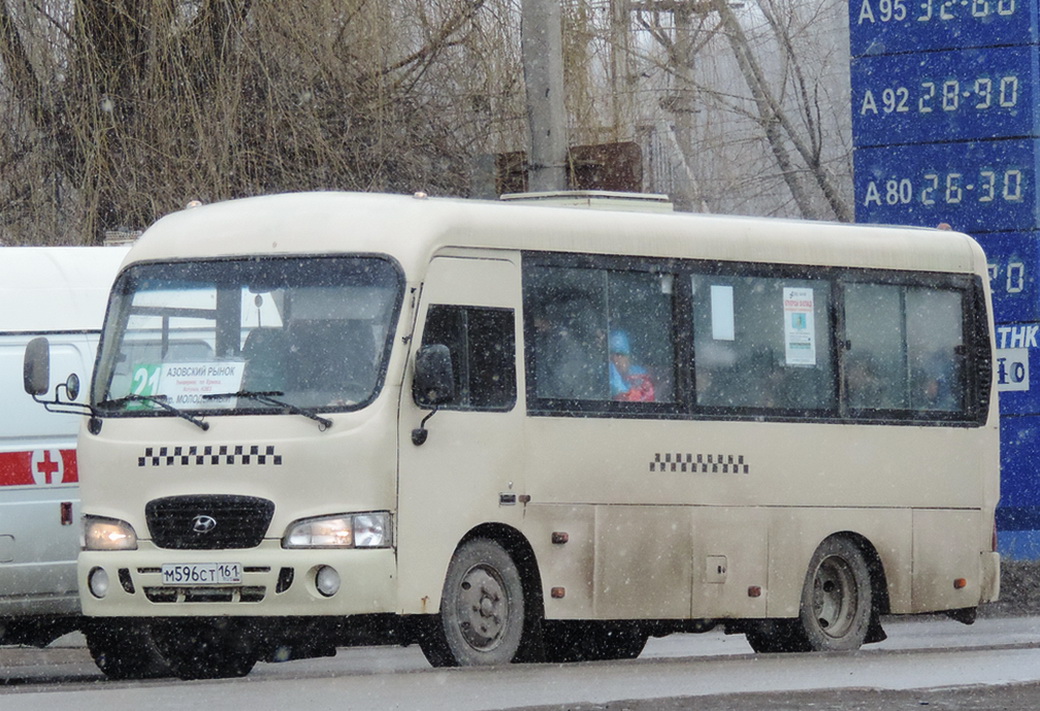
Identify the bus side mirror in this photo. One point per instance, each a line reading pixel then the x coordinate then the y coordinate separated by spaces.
pixel 36 368
pixel 434 382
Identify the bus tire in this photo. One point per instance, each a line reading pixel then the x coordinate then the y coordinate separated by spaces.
pixel 483 610
pixel 207 649
pixel 124 649
pixel 777 637
pixel 837 600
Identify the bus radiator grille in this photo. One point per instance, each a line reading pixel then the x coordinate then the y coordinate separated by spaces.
pixel 208 522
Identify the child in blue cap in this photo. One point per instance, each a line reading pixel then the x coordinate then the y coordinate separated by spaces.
pixel 628 382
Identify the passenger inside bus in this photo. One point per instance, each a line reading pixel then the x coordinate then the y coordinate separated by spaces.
pixel 864 387
pixel 567 347
pixel 933 382
pixel 264 354
pixel 330 362
pixel 629 382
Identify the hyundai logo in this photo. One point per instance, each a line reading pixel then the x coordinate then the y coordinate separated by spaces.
pixel 203 523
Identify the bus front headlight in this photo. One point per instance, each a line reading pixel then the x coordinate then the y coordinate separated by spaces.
pixel 108 534
pixel 364 530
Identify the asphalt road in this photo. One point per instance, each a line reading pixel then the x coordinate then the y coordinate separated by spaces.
pixel 998 658
pixel 1025 697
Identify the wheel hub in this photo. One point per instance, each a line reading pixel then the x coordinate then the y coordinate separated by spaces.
pixel 834 593
pixel 483 608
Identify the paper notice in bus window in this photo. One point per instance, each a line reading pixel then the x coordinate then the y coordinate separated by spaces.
pixel 186 384
pixel 799 329
pixel 722 328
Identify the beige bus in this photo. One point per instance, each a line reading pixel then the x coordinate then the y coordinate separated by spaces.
pixel 516 432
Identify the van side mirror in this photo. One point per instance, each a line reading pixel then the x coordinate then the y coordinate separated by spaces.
pixel 36 367
pixel 434 382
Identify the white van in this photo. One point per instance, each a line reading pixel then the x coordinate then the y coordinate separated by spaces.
pixel 59 293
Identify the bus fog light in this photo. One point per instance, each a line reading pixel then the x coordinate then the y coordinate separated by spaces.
pixel 327 581
pixel 97 581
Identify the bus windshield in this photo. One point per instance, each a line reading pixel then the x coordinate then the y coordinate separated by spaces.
pixel 248 335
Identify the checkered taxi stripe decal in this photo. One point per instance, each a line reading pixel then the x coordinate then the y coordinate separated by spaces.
pixel 203 456
pixel 699 463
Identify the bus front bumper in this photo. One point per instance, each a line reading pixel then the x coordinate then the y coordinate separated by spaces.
pixel 271 581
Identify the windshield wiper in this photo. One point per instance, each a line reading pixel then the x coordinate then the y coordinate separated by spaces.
pixel 270 397
pixel 159 400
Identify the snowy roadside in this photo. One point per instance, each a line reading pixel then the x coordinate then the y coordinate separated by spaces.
pixel 1019 591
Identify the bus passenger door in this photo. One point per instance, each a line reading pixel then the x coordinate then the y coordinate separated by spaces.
pixel 467 471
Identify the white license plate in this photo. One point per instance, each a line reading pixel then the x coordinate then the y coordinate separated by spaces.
pixel 202 574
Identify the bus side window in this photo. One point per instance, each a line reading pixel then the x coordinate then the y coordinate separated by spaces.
pixel 935 347
pixel 483 349
pixel 875 359
pixel 905 348
pixel 763 342
pixel 600 335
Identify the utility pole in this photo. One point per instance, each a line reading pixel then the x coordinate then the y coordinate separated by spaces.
pixel 620 81
pixel 541 39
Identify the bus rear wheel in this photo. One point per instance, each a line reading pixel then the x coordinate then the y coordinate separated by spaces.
pixel 483 612
pixel 837 602
pixel 836 608
pixel 777 636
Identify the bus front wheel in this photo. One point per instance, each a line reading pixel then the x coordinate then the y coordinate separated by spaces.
pixel 483 611
pixel 124 649
pixel 207 649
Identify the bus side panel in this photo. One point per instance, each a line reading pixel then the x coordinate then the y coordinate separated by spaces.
pixel 567 561
pixel 627 562
pixel 643 566
pixel 618 561
pixel 948 572
pixel 795 533
pixel 730 552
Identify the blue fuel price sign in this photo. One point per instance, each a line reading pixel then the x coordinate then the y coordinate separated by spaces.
pixel 945 96
pixel 1013 260
pixel 894 26
pixel 977 187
